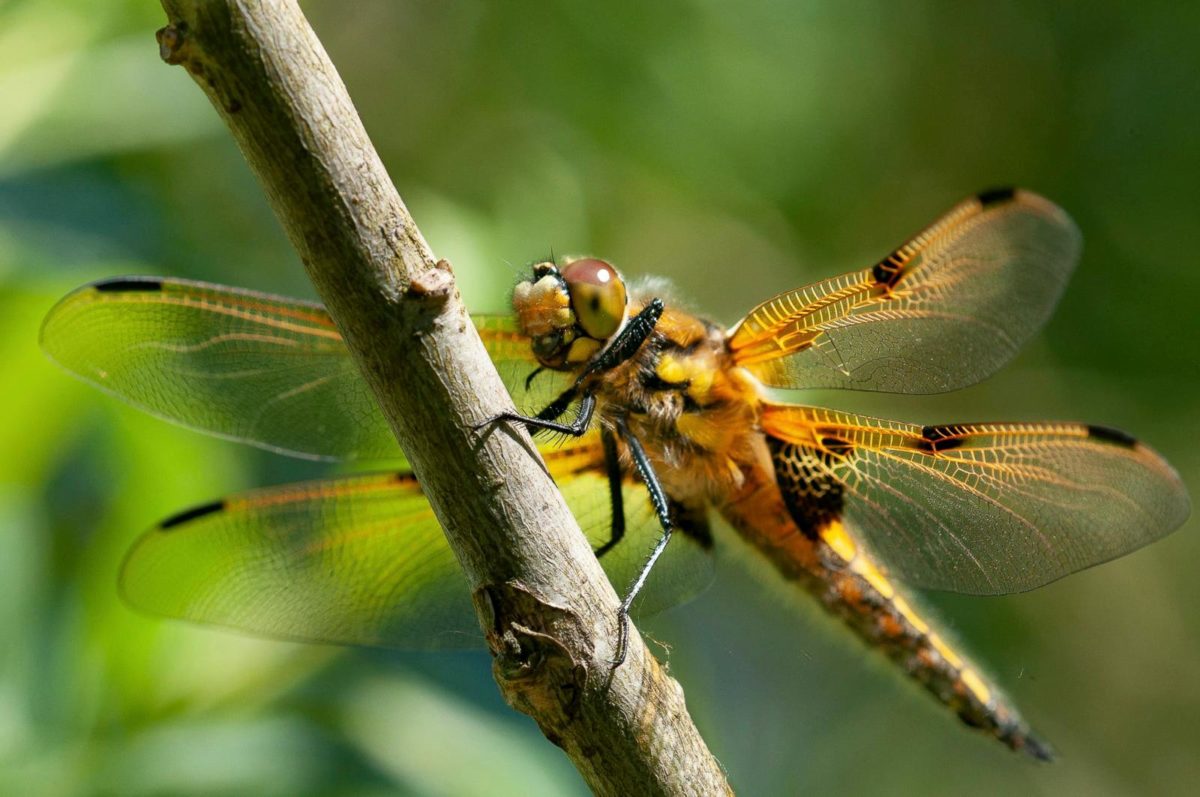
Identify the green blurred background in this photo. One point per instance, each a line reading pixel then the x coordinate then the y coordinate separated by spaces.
pixel 738 149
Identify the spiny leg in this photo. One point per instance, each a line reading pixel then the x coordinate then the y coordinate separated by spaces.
pixel 658 498
pixel 628 340
pixel 613 466
pixel 623 346
pixel 544 420
pixel 533 375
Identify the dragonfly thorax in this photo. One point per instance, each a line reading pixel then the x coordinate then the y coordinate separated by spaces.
pixel 570 314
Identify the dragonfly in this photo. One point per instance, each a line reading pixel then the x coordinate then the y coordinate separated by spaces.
pixel 670 424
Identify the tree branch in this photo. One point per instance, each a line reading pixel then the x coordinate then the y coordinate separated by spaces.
pixel 545 605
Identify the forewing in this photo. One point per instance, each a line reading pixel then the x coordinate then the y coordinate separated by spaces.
pixel 983 508
pixel 945 310
pixel 362 560
pixel 242 365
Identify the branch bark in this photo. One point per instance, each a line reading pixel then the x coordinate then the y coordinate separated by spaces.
pixel 544 603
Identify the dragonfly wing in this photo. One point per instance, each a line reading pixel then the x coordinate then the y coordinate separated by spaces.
pixel 945 310
pixel 531 387
pixel 359 560
pixel 980 508
pixel 243 365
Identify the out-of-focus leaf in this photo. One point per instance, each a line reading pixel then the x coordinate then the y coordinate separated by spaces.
pixel 102 100
pixel 413 731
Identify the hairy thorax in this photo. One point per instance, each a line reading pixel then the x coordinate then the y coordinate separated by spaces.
pixel 694 411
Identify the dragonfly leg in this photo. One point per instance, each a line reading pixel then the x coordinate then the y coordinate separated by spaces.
pixel 533 375
pixel 613 466
pixel 623 346
pixel 544 420
pixel 658 498
pixel 628 340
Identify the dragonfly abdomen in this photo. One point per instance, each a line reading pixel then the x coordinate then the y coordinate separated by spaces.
pixel 853 587
pixel 808 545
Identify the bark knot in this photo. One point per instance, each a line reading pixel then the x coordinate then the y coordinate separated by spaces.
pixel 537 661
pixel 173 43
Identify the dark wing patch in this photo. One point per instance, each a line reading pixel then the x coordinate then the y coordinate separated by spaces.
pixel 943 311
pixel 983 508
pixel 811 489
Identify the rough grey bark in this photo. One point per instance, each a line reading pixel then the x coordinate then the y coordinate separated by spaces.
pixel 547 609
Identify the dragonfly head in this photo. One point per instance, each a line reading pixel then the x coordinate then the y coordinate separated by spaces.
pixel 570 314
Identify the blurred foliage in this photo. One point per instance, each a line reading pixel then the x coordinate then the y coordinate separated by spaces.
pixel 738 149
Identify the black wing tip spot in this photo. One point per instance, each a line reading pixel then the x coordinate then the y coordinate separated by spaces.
pixel 191 514
pixel 1110 435
pixel 129 285
pixel 996 196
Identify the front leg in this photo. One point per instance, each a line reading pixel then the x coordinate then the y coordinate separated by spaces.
pixel 623 346
pixel 546 418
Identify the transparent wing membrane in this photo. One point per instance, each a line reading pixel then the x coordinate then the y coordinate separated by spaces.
pixel 985 508
pixel 362 560
pixel 248 366
pixel 357 561
pixel 511 354
pixel 944 311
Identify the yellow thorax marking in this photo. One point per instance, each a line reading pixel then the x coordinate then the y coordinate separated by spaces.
pixel 670 370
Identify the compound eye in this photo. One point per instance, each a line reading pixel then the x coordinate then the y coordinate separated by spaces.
pixel 597 296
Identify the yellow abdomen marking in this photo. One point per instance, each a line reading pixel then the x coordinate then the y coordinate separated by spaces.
pixel 835 536
pixel 976 685
pixel 946 652
pixel 875 578
pixel 913 618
